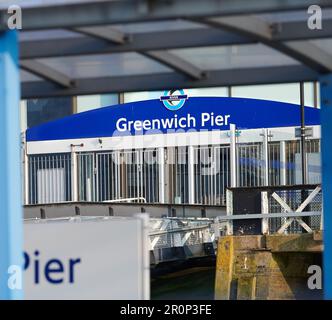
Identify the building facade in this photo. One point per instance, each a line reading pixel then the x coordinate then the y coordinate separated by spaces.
pixel 142 151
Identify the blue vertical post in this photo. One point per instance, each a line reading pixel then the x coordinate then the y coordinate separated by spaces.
pixel 326 120
pixel 11 224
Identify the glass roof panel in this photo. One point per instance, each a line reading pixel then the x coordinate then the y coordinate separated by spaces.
pixel 47 35
pixel 93 66
pixel 28 77
pixel 229 57
pixel 324 44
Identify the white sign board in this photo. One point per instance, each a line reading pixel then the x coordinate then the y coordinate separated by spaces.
pixel 99 258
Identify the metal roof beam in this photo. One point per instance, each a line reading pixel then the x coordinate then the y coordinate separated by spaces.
pixel 47 73
pixel 138 42
pixel 204 37
pixel 298 30
pixel 109 34
pixel 171 80
pixel 110 12
pixel 176 63
pixel 259 30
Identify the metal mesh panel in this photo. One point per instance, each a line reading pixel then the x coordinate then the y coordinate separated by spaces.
pixel 204 175
pixel 294 198
pixel 211 174
pixel 313 160
pixel 181 158
pixel 107 176
pixel 274 163
pixel 223 173
pixel 250 165
pixel 150 173
pixel 179 238
pixel 130 174
pixel 294 165
pixel 177 174
pixel 86 177
pixel 117 175
pixel 49 178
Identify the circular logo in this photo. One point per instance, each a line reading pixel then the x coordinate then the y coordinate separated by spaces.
pixel 174 99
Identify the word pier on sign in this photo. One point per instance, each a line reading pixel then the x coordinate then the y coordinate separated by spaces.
pixel 206 120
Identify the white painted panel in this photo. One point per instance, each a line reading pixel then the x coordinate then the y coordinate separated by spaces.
pixel 160 140
pixel 109 257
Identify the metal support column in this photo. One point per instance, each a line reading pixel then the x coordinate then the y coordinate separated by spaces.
pixel 266 155
pixel 26 175
pixel 283 163
pixel 265 209
pixel 161 164
pixel 233 155
pixel 326 116
pixel 74 176
pixel 191 174
pixel 229 211
pixel 303 147
pixel 11 226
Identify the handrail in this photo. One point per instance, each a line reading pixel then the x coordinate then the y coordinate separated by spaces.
pixel 270 215
pixel 178 230
pixel 126 200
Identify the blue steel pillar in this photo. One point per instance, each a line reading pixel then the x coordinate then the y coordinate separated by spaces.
pixel 326 120
pixel 11 226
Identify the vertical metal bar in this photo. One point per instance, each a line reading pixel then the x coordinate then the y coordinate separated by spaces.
pixel 74 181
pixel 11 226
pixel 96 176
pixel 53 194
pixel 177 176
pixel 117 167
pixel 212 175
pixel 266 156
pixel 107 177
pixel 191 175
pixel 79 176
pixel 283 163
pixel 229 91
pixel 239 154
pixel 195 176
pixel 148 175
pixel 69 166
pixel 161 165
pixel 265 209
pixel 315 89
pixel 30 163
pixel 229 211
pixel 303 146
pixel 326 116
pixel 35 169
pixel 147 170
pixel 233 154
pixel 216 160
pixel 27 182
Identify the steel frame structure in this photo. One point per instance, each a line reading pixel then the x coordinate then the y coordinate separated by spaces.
pixel 292 38
pixel 207 24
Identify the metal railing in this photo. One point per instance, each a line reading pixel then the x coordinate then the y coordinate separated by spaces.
pixel 200 177
pixel 292 209
pixel 179 232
